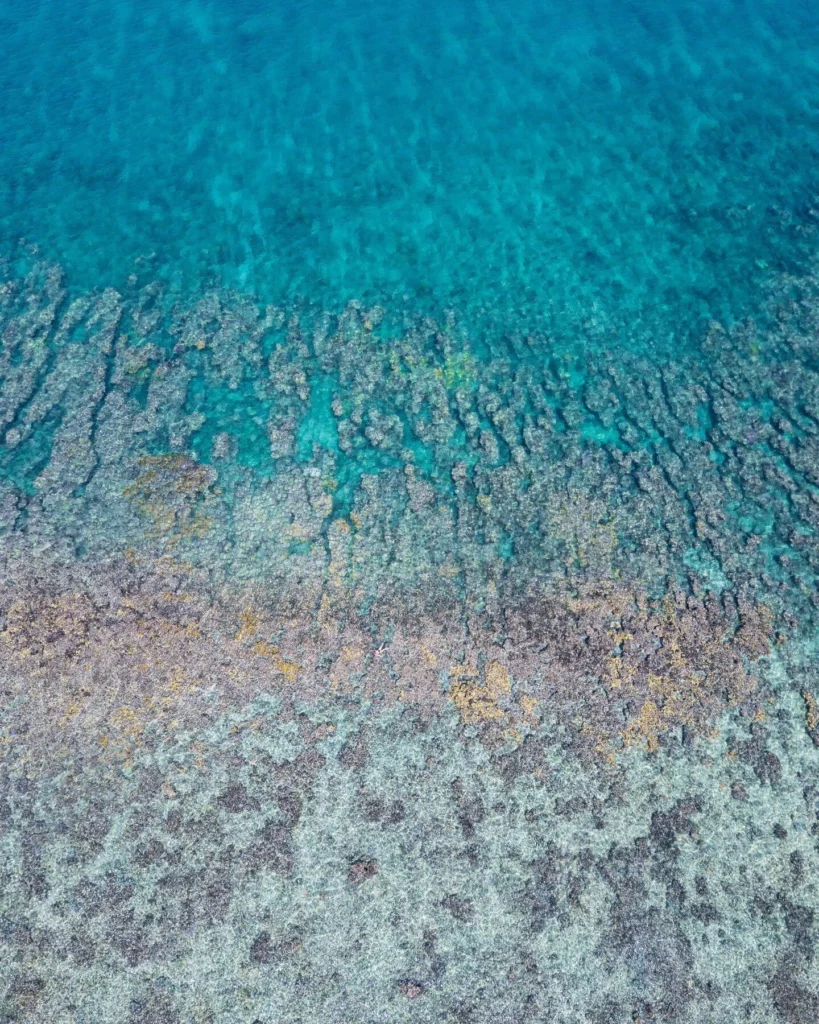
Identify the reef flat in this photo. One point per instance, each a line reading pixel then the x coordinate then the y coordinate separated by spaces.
pixel 354 671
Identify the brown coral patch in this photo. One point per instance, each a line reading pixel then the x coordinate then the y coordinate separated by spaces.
pixel 173 493
pixel 632 668
pixel 99 666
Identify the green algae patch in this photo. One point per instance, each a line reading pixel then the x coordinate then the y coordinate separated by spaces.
pixel 459 371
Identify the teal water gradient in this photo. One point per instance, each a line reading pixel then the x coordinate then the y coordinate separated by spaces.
pixel 409 511
pixel 559 163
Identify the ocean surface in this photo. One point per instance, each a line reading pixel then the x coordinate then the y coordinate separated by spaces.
pixel 409 512
pixel 551 162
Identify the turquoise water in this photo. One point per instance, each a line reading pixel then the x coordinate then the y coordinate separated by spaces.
pixel 569 166
pixel 560 189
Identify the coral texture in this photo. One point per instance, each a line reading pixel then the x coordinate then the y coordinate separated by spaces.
pixel 351 676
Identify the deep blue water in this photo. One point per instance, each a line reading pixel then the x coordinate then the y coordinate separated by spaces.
pixel 559 163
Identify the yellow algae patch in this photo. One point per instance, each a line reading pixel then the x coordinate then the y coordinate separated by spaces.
pixel 298 533
pixel 449 572
pixel 528 705
pixel 178 683
pixel 476 702
pixel 617 672
pixel 153 630
pixel 248 625
pixel 497 679
pixel 325 615
pixel 619 637
pixel 72 709
pixel 428 656
pixel 679 696
pixel 473 704
pixel 646 727
pixel 289 669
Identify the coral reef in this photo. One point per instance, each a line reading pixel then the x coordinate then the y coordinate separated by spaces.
pixel 341 865
pixel 355 674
